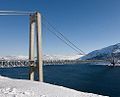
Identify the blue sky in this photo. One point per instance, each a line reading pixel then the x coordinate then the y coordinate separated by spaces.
pixel 90 24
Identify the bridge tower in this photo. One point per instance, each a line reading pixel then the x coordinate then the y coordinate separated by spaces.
pixel 35 32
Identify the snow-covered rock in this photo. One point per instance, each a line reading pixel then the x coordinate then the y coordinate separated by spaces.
pixel 24 88
pixel 103 53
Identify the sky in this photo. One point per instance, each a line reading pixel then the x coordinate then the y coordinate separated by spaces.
pixel 90 24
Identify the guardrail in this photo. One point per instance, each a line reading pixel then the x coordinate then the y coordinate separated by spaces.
pixel 26 63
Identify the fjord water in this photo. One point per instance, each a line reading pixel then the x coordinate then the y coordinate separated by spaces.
pixel 99 79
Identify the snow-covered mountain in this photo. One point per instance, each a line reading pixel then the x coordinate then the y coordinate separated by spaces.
pixel 45 57
pixel 103 53
pixel 61 57
pixel 13 57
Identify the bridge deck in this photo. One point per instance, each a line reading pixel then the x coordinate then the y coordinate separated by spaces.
pixel 25 63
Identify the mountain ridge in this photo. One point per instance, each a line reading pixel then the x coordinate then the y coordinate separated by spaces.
pixel 103 53
pixel 45 57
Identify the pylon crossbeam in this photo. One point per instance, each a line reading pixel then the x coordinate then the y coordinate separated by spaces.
pixel 35 23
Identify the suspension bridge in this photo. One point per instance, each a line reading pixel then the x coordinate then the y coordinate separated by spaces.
pixel 35 33
pixel 25 63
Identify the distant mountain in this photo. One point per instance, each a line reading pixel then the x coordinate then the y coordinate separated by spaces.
pixel 103 53
pixel 45 57
pixel 61 57
pixel 13 57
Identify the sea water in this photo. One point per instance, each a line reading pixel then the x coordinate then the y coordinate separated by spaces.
pixel 99 79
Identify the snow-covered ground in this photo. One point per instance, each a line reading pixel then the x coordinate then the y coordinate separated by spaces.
pixel 24 88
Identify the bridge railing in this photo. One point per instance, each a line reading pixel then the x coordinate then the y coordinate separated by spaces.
pixel 26 63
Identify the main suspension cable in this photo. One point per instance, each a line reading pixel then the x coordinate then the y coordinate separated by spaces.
pixel 61 39
pixel 63 35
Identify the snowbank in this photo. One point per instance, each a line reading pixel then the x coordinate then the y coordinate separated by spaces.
pixel 24 88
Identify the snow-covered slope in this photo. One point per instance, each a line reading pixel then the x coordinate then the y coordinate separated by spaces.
pixel 23 88
pixel 61 57
pixel 13 57
pixel 103 53
pixel 45 57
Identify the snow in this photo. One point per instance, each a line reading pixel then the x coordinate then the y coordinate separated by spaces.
pixel 104 51
pixel 61 57
pixel 45 57
pixel 117 51
pixel 14 57
pixel 25 88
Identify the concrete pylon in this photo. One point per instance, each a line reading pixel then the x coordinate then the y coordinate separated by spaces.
pixel 35 25
pixel 39 46
pixel 31 47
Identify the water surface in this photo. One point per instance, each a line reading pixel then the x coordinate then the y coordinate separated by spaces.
pixel 98 79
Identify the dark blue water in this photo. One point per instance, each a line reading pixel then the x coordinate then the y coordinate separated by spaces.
pixel 103 80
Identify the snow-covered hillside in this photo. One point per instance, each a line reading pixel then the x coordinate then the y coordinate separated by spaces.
pixel 61 57
pixel 24 88
pixel 45 57
pixel 13 57
pixel 103 53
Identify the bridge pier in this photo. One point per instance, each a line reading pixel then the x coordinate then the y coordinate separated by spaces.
pixel 39 46
pixel 31 47
pixel 35 25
